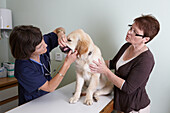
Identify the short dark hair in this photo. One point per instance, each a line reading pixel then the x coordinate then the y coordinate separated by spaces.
pixel 149 24
pixel 23 41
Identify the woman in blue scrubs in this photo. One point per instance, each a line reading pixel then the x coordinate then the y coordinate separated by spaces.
pixel 32 64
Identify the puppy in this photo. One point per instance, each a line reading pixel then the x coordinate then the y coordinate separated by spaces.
pixel 97 84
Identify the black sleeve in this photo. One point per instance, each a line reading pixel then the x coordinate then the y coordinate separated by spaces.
pixel 138 75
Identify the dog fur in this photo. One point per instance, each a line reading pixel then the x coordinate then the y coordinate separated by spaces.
pixel 97 84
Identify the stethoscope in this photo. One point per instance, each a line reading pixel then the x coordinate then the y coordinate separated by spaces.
pixel 48 60
pixel 49 72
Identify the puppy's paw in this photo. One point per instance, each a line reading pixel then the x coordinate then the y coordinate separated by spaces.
pixel 73 100
pixel 88 101
pixel 96 97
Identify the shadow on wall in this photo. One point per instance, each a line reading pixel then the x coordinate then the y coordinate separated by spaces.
pixel 102 33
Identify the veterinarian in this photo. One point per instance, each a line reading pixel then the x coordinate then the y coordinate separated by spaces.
pixel 133 64
pixel 32 64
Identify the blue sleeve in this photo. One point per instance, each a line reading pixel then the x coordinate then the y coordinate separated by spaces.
pixel 30 78
pixel 51 39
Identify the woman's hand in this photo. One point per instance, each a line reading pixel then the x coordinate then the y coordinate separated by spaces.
pixel 99 67
pixel 62 39
pixel 71 57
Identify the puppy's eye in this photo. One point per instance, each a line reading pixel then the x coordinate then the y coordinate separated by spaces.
pixel 68 40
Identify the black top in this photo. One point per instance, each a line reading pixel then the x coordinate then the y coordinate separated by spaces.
pixel 136 73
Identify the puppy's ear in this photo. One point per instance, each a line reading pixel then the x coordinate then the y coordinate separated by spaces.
pixel 82 47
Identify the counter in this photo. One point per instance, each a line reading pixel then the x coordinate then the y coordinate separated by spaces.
pixel 58 102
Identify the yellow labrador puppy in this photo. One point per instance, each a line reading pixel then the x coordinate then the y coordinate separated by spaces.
pixel 97 84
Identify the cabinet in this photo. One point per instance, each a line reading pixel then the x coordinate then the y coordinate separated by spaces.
pixel 8 94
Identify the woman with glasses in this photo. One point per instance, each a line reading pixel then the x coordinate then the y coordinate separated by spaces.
pixel 133 64
pixel 32 64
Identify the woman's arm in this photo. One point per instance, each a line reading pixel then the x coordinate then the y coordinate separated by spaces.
pixel 61 36
pixel 51 85
pixel 138 75
pixel 55 38
pixel 100 67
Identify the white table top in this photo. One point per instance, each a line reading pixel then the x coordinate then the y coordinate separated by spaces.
pixel 58 102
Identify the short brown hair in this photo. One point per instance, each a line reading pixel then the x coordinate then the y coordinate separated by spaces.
pixel 23 41
pixel 149 24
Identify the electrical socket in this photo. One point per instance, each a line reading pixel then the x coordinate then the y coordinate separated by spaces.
pixel 58 57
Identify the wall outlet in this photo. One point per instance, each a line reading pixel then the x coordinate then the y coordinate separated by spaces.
pixel 58 57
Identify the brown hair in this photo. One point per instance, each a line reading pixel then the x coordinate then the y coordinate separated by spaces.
pixel 23 41
pixel 149 25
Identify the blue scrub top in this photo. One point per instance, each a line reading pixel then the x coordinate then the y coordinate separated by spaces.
pixel 31 75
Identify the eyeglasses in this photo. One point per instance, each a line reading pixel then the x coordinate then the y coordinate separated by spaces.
pixel 135 32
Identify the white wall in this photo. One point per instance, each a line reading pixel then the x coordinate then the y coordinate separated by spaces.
pixel 3 41
pixel 106 22
pixel 2 3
